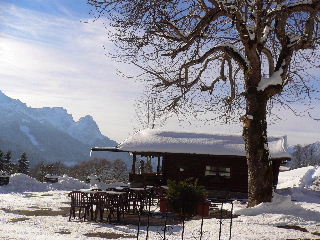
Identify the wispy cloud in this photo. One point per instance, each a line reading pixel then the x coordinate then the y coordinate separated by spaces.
pixel 58 60
pixel 51 60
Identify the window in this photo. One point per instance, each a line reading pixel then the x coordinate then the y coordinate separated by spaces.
pixel 224 172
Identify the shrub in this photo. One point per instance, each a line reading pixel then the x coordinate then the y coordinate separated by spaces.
pixel 185 196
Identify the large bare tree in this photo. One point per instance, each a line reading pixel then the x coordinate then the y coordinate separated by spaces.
pixel 240 54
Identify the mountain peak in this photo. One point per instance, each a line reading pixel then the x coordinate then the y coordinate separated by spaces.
pixel 11 103
pixel 85 130
pixel 87 118
pixel 48 133
pixel 88 122
pixel 3 96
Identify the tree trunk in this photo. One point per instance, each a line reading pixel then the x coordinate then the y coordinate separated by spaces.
pixel 260 179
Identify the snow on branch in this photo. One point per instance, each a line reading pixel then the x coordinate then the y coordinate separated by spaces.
pixel 274 79
pixel 237 55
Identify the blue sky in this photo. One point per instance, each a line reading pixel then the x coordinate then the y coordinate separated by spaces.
pixel 51 57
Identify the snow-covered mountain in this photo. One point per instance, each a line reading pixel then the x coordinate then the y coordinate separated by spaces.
pixel 49 134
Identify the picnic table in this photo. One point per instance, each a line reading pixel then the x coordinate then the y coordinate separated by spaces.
pixel 117 202
pixel 112 201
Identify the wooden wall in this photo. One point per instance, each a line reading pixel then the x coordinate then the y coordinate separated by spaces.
pixel 194 166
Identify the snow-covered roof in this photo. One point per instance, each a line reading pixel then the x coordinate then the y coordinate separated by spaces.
pixel 196 143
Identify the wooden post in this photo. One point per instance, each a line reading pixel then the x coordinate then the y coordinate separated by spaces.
pixel 134 159
pixel 158 167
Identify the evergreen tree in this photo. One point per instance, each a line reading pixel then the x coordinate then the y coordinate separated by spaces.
pixel 23 164
pixel 1 161
pixel 7 165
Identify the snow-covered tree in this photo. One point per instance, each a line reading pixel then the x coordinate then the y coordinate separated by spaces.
pixel 233 56
pixel 23 164
pixel 308 155
pixel 297 159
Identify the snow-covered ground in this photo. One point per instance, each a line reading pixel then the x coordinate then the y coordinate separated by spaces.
pixel 34 210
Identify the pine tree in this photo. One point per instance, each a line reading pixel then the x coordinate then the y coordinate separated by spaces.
pixel 23 164
pixel 1 161
pixel 7 165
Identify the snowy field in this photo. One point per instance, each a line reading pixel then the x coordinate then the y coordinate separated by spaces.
pixel 34 210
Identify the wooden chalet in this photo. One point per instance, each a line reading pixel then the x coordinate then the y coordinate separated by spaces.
pixel 217 160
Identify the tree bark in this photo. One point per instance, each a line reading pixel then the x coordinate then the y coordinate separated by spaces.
pixel 260 177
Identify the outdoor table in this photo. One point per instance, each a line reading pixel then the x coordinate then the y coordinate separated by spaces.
pixel 116 201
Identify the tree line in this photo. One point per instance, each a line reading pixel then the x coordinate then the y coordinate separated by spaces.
pixel 104 169
pixel 303 156
pixel 6 164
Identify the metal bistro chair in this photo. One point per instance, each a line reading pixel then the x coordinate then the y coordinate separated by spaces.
pixel 79 200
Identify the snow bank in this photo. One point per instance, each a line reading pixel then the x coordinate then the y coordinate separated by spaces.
pixel 300 177
pixel 69 183
pixel 150 140
pixel 280 205
pixel 316 180
pixel 308 178
pixel 22 183
pixel 292 178
pixel 298 185
pixel 301 184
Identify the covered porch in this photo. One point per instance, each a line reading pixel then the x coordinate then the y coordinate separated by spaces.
pixel 146 168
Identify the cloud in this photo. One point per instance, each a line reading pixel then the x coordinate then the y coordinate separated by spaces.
pixel 58 60
pixel 48 60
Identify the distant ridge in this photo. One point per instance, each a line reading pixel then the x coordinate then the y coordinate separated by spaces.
pixel 49 134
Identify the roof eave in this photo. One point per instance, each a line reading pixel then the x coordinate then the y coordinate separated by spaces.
pixel 115 149
pixel 106 149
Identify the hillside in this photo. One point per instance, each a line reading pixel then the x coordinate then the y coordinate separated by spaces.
pixel 49 134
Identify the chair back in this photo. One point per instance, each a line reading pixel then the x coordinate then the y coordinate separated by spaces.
pixel 78 198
